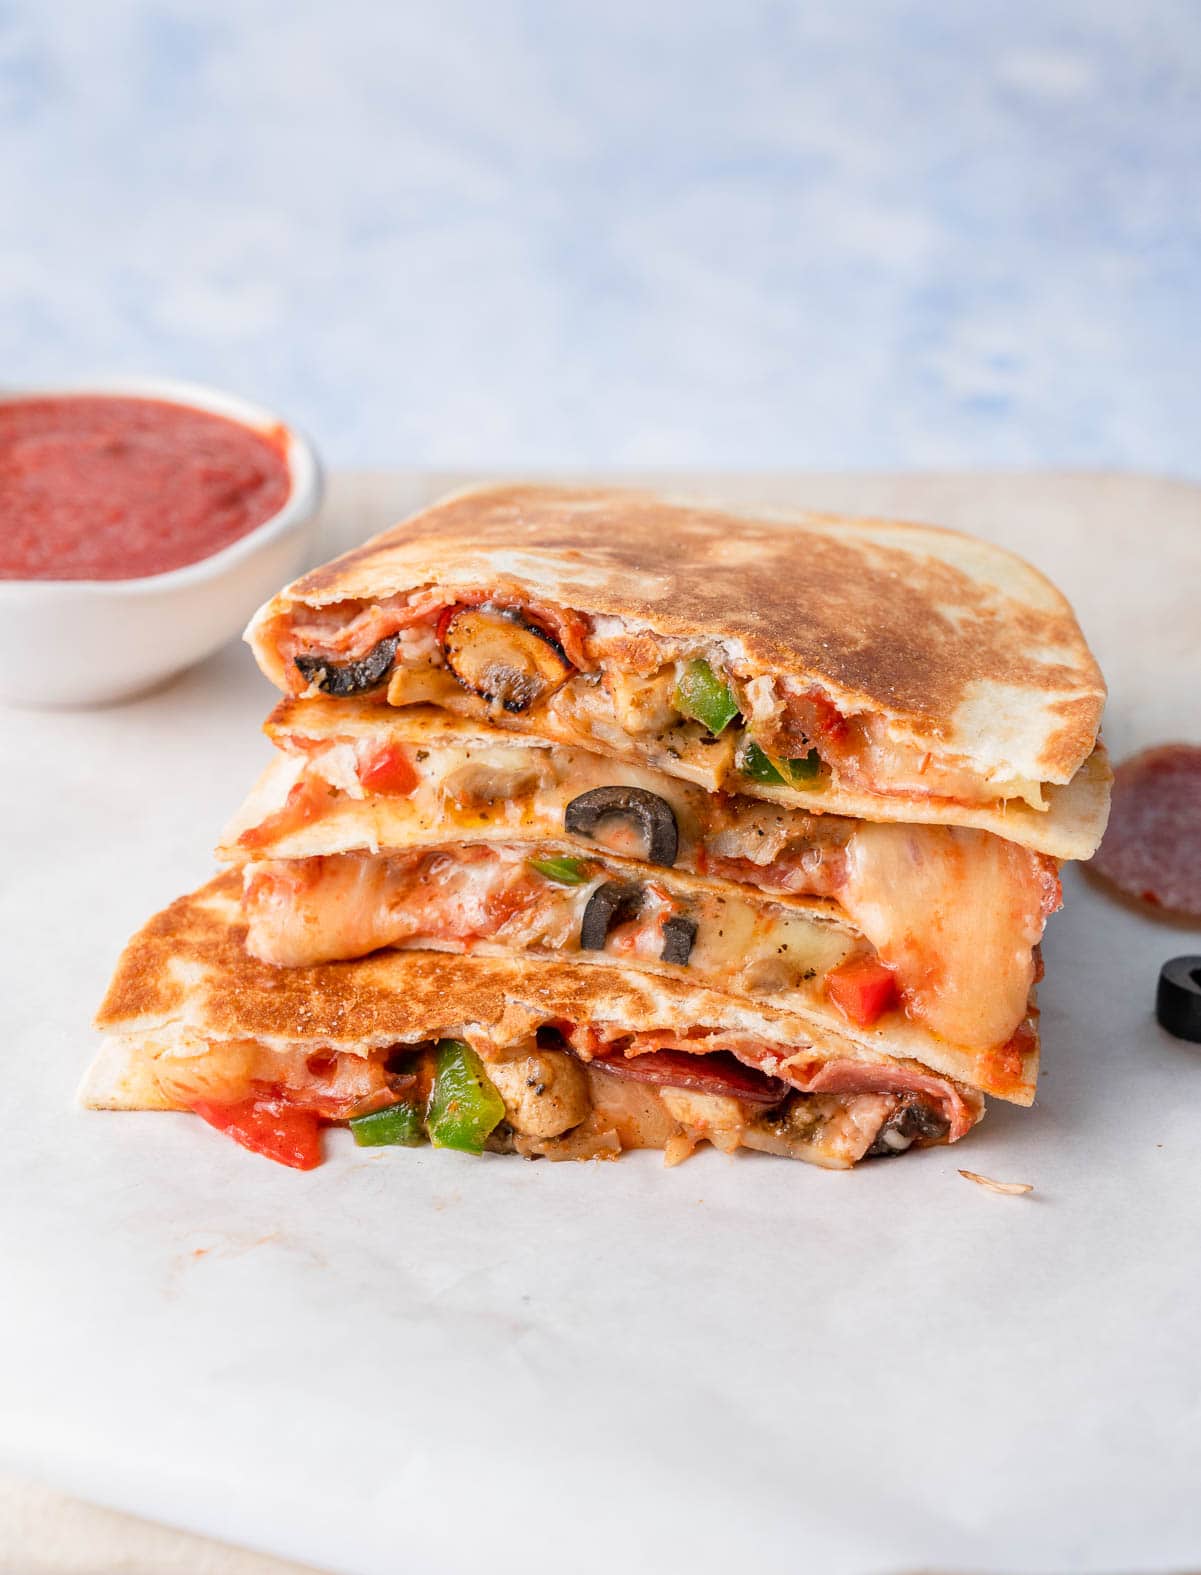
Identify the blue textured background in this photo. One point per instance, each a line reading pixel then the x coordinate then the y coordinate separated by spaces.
pixel 867 233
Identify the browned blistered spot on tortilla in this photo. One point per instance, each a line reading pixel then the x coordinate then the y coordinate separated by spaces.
pixel 329 576
pixel 893 627
pixel 142 984
pixel 1079 714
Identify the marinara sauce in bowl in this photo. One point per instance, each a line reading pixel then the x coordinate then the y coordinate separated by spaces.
pixel 140 526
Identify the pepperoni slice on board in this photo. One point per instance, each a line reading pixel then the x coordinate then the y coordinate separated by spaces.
pixel 1152 847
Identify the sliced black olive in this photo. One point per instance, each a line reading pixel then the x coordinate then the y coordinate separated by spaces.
pixel 503 659
pixel 912 1123
pixel 651 815
pixel 350 678
pixel 1178 998
pixel 607 906
pixel 678 936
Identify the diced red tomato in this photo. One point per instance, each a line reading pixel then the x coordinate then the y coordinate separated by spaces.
pixel 307 800
pixel 388 769
pixel 862 990
pixel 267 1126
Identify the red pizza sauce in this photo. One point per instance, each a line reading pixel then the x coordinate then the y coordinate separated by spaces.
pixel 100 487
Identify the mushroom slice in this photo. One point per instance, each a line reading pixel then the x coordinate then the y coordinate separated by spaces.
pixel 480 784
pixel 651 815
pixel 350 678
pixel 422 686
pixel 545 1091
pixel 501 658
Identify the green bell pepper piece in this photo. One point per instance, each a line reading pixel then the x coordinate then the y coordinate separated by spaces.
pixel 393 1124
pixel 570 872
pixel 807 769
pixel 756 765
pixel 705 697
pixel 463 1105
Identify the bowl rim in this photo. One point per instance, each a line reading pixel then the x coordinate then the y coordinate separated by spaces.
pixel 304 472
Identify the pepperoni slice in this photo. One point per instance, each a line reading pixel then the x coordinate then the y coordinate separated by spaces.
pixel 715 1073
pixel 1152 847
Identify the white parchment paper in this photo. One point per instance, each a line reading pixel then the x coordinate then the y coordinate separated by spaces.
pixel 413 1361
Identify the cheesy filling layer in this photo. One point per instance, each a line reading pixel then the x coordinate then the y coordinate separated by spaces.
pixel 560 1104
pixel 305 911
pixel 621 690
pixel 955 913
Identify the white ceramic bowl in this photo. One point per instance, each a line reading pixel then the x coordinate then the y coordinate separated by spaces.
pixel 88 642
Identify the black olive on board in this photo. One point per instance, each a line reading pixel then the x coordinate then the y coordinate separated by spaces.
pixel 647 812
pixel 350 678
pixel 1178 998
pixel 679 933
pixel 607 906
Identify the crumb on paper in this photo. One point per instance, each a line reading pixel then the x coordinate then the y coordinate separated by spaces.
pixel 1010 1189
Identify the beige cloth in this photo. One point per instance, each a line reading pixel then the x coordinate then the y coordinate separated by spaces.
pixel 46 1533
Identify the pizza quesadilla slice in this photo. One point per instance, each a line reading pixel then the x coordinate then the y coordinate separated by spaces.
pixel 863 667
pixel 474 1053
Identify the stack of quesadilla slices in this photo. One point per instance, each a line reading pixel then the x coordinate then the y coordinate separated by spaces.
pixel 601 820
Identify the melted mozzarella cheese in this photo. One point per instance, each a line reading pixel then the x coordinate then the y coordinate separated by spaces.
pixel 954 912
pixel 890 763
pixel 305 911
pixel 957 913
